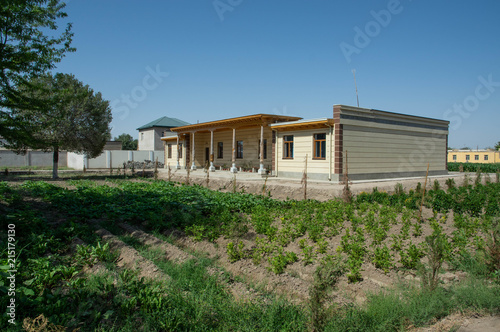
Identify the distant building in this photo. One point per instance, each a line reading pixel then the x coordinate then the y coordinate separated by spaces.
pixel 474 156
pixel 113 145
pixel 150 134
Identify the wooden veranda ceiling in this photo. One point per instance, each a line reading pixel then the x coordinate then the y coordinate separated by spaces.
pixel 239 122
pixel 304 125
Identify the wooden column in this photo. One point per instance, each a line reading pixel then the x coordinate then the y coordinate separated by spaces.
pixel 233 167
pixel 193 166
pixel 178 166
pixel 262 170
pixel 212 167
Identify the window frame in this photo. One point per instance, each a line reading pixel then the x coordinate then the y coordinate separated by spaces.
pixel 180 151
pixel 467 157
pixel 220 150
pixel 454 157
pixel 169 151
pixel 486 157
pixel 239 149
pixel 476 157
pixel 288 147
pixel 265 148
pixel 322 144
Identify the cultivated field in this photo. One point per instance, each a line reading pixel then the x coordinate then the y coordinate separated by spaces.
pixel 119 254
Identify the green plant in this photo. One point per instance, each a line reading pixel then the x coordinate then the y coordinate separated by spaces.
pixel 418 189
pixel 438 250
pixel 309 256
pixel 436 186
pixel 382 258
pixel 450 183
pixel 399 189
pixel 89 254
pixel 235 252
pixel 410 258
pixel 326 276
pixel 322 245
pixel 354 246
pixel 492 249
pixel 280 260
pixel 417 229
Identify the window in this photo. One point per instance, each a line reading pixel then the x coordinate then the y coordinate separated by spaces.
pixel 169 151
pixel 220 150
pixel 485 157
pixel 476 157
pixel 319 146
pixel 454 157
pixel 288 147
pixel 142 136
pixel 265 149
pixel 467 157
pixel 180 150
pixel 239 150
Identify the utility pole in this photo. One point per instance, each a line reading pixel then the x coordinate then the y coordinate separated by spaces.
pixel 355 85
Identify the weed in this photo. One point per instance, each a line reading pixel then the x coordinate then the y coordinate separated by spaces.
pixel 436 186
pixel 398 189
pixel 492 249
pixel 450 183
pixel 438 250
pixel 326 276
pixel 478 179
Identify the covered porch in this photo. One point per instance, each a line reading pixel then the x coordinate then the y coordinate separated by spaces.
pixel 242 143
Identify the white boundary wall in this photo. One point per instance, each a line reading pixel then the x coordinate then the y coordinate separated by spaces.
pixel 112 158
pixel 9 158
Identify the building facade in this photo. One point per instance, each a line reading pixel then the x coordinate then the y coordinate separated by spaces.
pixel 474 156
pixel 150 134
pixel 231 144
pixel 363 143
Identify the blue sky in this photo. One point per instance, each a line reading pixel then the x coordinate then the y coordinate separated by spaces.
pixel 202 60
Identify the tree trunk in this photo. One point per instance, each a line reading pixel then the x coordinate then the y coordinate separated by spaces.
pixel 55 163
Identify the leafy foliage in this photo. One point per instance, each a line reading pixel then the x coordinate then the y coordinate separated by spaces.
pixel 72 118
pixel 27 50
pixel 128 142
pixel 473 167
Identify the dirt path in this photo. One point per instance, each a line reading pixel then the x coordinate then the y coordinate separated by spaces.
pixel 240 291
pixel 283 188
pixel 129 258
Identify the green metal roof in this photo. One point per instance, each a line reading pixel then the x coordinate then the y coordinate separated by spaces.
pixel 164 121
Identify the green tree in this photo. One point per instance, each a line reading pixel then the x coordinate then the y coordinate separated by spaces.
pixel 73 118
pixel 128 142
pixel 27 50
pixel 497 146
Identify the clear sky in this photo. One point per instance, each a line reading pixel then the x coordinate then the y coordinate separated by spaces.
pixel 202 60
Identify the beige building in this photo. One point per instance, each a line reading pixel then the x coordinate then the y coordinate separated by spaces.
pixel 150 134
pixel 474 156
pixel 231 144
pixel 367 143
